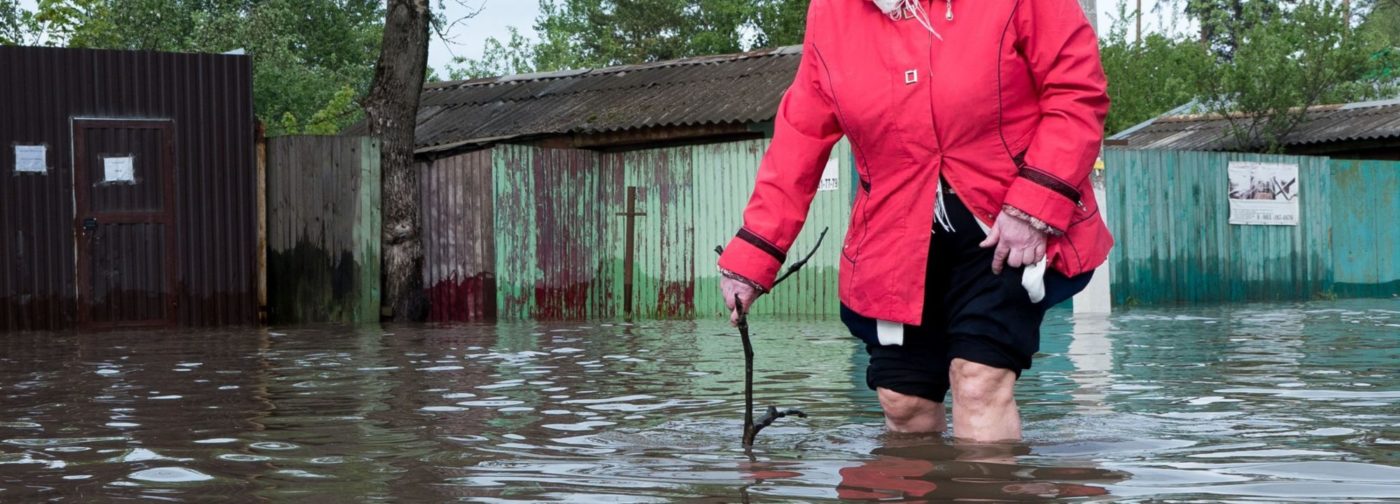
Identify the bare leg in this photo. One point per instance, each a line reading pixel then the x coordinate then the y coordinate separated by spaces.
pixel 985 402
pixel 911 414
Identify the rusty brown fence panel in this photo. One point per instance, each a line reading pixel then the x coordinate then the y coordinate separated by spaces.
pixel 459 248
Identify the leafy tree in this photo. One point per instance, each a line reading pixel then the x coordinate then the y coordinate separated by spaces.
pixel 1383 20
pixel 1150 77
pixel 515 56
pixel 1223 22
pixel 305 52
pixel 780 22
pixel 601 33
pixel 1285 64
pixel 18 26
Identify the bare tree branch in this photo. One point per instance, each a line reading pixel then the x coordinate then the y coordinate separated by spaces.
pixel 443 28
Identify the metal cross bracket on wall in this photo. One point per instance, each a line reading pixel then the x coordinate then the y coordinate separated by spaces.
pixel 630 260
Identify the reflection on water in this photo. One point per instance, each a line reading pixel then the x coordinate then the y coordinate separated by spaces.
pixel 1262 402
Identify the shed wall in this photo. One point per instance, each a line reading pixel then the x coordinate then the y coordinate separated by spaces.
pixel 208 98
pixel 549 237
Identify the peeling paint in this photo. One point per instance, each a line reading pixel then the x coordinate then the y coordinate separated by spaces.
pixel 550 235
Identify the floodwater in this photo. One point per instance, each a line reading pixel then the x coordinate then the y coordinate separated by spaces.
pixel 1297 402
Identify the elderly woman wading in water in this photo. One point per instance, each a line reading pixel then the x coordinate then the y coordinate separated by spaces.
pixel 974 130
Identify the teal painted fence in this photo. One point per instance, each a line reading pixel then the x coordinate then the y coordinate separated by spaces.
pixel 560 231
pixel 323 228
pixel 1169 212
pixel 1366 228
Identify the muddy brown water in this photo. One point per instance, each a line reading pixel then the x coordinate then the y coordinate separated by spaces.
pixel 1297 402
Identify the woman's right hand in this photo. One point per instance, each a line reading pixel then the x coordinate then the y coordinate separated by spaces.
pixel 747 293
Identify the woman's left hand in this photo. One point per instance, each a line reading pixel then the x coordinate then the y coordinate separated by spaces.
pixel 1017 243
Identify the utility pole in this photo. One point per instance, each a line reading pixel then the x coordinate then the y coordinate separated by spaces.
pixel 1091 11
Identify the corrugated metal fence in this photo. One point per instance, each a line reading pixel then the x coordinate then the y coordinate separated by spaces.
pixel 323 229
pixel 558 220
pixel 1366 228
pixel 1169 211
pixel 459 242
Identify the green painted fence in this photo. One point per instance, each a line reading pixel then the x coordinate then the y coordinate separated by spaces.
pixel 323 228
pixel 724 180
pixel 1366 228
pixel 560 231
pixel 1169 212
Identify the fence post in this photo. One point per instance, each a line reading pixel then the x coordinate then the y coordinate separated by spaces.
pixel 1096 297
pixel 261 274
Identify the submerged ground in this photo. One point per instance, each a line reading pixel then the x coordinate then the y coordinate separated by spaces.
pixel 1248 402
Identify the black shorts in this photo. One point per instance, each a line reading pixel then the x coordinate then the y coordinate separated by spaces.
pixel 969 313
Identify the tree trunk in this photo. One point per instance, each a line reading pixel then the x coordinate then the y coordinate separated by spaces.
pixel 391 108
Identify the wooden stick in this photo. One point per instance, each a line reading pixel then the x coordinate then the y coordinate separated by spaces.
pixel 749 431
pixel 751 428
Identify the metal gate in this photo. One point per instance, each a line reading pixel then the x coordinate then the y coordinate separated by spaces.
pixel 124 192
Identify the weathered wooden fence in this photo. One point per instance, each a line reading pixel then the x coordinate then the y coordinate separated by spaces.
pixel 1169 211
pixel 526 232
pixel 323 229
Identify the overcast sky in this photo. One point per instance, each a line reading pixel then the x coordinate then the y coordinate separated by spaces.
pixel 470 36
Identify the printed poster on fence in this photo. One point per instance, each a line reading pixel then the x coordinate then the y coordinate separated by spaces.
pixel 831 178
pixel 1263 194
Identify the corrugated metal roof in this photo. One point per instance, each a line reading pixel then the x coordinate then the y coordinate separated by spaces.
pixel 1324 124
pixel 735 88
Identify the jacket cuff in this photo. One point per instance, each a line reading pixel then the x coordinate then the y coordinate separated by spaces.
pixel 753 258
pixel 740 278
pixel 1038 224
pixel 1044 197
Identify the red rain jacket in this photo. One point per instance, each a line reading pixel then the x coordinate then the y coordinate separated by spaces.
pixel 1008 108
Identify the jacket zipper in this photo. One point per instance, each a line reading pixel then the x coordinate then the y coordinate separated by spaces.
pixel 1052 183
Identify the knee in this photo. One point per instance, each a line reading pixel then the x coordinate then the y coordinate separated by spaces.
pixel 907 413
pixel 979 385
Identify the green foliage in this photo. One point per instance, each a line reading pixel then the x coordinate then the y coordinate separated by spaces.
pixel 515 56
pixel 1383 21
pixel 17 26
pixel 341 110
pixel 1260 64
pixel 601 33
pixel 1148 78
pixel 1224 22
pixel 1284 64
pixel 305 52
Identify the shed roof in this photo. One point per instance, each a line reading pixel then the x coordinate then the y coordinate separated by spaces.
pixel 1325 124
pixel 726 89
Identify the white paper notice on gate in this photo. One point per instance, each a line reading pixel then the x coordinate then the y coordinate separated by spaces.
pixel 831 175
pixel 118 170
pixel 31 159
pixel 1263 194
